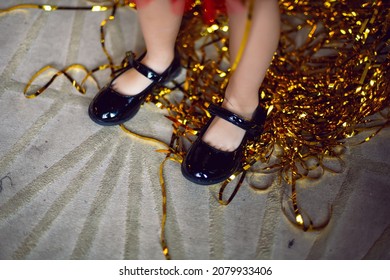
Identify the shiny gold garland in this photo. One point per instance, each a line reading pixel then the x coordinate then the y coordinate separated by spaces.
pixel 318 93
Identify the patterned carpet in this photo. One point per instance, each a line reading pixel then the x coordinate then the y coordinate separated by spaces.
pixel 71 189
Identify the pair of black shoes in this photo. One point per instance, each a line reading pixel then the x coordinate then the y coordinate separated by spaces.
pixel 203 164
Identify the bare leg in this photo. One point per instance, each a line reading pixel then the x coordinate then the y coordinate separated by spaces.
pixel 160 22
pixel 241 96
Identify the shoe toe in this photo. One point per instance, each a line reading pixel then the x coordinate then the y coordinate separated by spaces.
pixel 206 165
pixel 104 114
pixel 100 110
pixel 109 108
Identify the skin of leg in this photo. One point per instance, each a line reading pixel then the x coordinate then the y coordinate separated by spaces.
pixel 160 22
pixel 241 95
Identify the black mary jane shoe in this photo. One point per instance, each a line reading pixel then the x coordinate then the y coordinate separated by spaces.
pixel 206 165
pixel 110 107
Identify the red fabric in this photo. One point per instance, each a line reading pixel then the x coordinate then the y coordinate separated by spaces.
pixel 210 8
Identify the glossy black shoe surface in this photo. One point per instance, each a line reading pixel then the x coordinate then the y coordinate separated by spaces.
pixel 110 107
pixel 206 165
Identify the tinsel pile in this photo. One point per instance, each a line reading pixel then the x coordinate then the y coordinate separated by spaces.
pixel 319 91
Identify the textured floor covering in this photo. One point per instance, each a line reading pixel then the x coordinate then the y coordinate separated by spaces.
pixel 71 189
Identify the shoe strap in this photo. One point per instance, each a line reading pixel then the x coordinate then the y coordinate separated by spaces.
pixel 253 127
pixel 149 73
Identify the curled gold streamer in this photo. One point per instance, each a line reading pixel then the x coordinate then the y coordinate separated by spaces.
pixel 78 86
pixel 142 137
pixel 20 7
pixel 248 25
pixel 103 40
pixel 237 187
pixel 50 8
pixel 164 211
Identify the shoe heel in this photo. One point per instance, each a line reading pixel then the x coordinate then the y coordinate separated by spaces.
pixel 174 74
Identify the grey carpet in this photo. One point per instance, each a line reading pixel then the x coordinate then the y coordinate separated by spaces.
pixel 71 189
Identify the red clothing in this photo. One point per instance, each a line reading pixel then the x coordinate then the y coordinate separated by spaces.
pixel 210 8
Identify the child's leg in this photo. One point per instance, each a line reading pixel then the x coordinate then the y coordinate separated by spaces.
pixel 160 22
pixel 241 96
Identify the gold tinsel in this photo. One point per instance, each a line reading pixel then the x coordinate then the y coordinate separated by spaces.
pixel 319 91
pixel 328 82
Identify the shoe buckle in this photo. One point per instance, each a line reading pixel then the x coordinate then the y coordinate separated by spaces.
pixel 255 130
pixel 129 60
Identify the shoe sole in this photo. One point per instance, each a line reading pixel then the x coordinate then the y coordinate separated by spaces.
pixel 191 179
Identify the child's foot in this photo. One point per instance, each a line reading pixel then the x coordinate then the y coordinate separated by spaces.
pixel 215 155
pixel 110 108
pixel 132 82
pixel 224 135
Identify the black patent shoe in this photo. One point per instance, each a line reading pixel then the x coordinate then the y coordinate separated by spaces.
pixel 206 165
pixel 110 107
